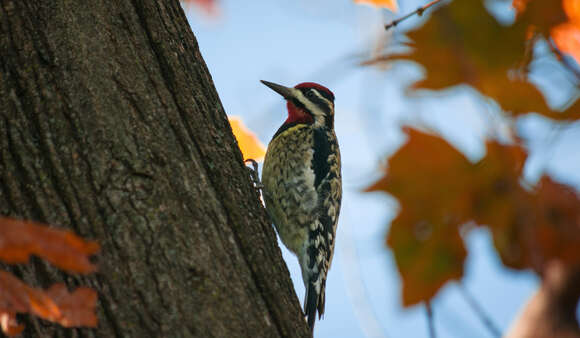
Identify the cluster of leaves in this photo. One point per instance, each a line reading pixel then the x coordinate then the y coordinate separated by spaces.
pixel 462 43
pixel 440 191
pixel 559 20
pixel 19 240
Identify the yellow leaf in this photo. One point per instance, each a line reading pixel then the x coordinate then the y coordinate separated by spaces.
pixel 249 144
pixel 388 4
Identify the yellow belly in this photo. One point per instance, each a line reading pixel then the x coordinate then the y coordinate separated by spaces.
pixel 288 181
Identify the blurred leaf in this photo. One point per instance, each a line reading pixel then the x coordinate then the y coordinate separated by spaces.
pixel 499 201
pixel 430 179
pixel 209 7
pixel 567 35
pixel 249 144
pixel 20 239
pixel 439 190
pixel 529 228
pixel 567 38
pixel 77 308
pixel 557 228
pixel 56 304
pixel 541 14
pixel 559 19
pixel 389 4
pixel 463 44
pixel 8 323
pixel 424 165
pixel 429 252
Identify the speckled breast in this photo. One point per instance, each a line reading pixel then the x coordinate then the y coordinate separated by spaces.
pixel 288 179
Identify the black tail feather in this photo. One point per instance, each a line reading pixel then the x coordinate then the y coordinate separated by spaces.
pixel 310 305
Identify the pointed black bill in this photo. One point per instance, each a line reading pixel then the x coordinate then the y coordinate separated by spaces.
pixel 284 91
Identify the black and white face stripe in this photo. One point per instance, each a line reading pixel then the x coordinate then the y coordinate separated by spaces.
pixel 327 95
pixel 321 99
pixel 316 102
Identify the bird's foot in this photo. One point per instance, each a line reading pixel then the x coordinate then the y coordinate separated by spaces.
pixel 254 174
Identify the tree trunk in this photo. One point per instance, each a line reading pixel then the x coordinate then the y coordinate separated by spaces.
pixel 551 311
pixel 111 126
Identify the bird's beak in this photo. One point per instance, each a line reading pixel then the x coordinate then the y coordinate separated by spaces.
pixel 284 91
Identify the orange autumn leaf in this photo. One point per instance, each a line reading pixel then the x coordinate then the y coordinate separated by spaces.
pixel 567 38
pixel 428 251
pixel 439 190
pixel 557 216
pixel 423 160
pixel 249 144
pixel 567 35
pixel 559 19
pixel 76 308
pixel 532 228
pixel 529 228
pixel 9 325
pixel 388 4
pixel 462 44
pixel 572 9
pixel 429 178
pixel 20 239
pixel 209 7
pixel 56 304
pixel 499 201
pixel 540 14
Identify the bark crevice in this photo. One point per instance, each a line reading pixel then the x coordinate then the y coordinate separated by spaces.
pixel 110 125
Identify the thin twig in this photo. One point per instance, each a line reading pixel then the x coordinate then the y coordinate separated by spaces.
pixel 430 321
pixel 564 60
pixel 487 322
pixel 419 11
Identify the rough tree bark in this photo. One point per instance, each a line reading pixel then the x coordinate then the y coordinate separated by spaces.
pixel 111 126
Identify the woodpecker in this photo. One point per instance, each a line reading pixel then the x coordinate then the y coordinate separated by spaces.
pixel 302 185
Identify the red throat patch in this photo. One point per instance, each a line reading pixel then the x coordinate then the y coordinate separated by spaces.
pixel 297 115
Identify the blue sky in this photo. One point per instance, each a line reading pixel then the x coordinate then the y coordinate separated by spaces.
pixel 289 42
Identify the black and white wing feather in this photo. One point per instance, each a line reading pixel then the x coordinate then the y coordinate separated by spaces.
pixel 326 167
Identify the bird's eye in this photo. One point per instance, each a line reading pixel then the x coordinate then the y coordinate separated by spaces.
pixel 310 93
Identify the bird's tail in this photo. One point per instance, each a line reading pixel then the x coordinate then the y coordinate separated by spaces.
pixel 314 300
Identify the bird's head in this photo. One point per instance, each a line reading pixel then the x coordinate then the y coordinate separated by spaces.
pixel 307 102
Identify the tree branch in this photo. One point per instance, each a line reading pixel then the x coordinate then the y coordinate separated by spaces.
pixel 564 60
pixel 430 323
pixel 479 311
pixel 551 311
pixel 419 11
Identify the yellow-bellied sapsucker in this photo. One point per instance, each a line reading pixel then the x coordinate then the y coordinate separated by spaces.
pixel 303 187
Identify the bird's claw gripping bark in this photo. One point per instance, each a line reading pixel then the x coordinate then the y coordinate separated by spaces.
pixel 254 174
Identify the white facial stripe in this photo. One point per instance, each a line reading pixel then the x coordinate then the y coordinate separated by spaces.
pixel 318 114
pixel 306 102
pixel 322 97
